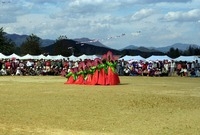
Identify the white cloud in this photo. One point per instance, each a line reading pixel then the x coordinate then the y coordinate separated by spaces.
pixel 143 13
pixel 192 15
pixel 166 1
pixel 159 21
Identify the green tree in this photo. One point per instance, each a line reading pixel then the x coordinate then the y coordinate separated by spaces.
pixel 188 51
pixel 61 46
pixel 197 51
pixel 173 53
pixel 7 46
pixel 32 45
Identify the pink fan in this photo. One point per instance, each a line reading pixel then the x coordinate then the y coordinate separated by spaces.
pixel 97 61
pixel 110 56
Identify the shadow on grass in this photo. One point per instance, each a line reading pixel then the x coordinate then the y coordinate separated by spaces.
pixel 124 84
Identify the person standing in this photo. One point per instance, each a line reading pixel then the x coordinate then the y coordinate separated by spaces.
pixel 172 68
pixel 103 71
pixel 122 67
pixel 197 68
pixel 95 70
pixel 112 75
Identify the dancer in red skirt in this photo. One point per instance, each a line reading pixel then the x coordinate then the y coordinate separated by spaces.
pixel 113 78
pixel 103 70
pixel 97 72
pixel 89 72
pixel 80 74
pixel 71 76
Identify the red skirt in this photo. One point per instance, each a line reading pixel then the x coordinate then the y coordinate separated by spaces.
pixel 70 80
pixel 113 78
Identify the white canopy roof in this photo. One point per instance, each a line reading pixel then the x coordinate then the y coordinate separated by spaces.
pixel 2 56
pixel 159 58
pixel 13 56
pixel 187 58
pixel 41 56
pixel 132 58
pixel 126 57
pixel 73 58
pixel 92 57
pixel 27 56
pixel 59 57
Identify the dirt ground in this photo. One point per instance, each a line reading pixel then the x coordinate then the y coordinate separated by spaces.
pixel 44 105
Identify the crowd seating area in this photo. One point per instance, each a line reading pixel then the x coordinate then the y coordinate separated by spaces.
pixel 61 67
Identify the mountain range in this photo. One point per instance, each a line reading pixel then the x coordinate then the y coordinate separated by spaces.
pixel 19 39
pixel 165 49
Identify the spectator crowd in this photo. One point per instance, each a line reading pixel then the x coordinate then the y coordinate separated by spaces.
pixel 158 68
pixel 61 67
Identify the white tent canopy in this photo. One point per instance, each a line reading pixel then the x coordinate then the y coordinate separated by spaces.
pixel 48 57
pixel 15 56
pixel 27 56
pixel 59 57
pixel 138 58
pixel 2 56
pixel 73 58
pixel 132 58
pixel 92 57
pixel 126 58
pixel 83 57
pixel 186 58
pixel 158 58
pixel 41 56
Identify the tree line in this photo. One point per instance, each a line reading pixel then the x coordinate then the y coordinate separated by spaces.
pixel 32 46
pixel 174 53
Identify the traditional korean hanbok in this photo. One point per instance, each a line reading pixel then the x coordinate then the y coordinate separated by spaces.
pixel 71 77
pixel 102 80
pixel 113 78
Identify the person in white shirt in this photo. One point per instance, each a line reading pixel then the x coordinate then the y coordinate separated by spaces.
pixel 127 71
pixel 3 71
pixel 18 71
pixel 172 68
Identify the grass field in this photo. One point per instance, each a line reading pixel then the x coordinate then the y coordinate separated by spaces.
pixel 44 105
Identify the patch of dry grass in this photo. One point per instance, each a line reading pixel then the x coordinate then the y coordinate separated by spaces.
pixel 44 105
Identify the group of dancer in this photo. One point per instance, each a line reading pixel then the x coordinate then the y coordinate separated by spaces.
pixel 95 72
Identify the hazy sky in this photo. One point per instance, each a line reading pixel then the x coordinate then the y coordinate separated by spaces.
pixel 115 23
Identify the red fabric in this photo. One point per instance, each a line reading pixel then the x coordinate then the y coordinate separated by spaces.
pixel 63 73
pixel 110 56
pixel 79 80
pixel 102 80
pixel 113 78
pixel 48 63
pixel 103 75
pixel 89 63
pixel 95 77
pixel 8 64
pixel 70 80
pixel 144 66
pixel 65 64
pixel 104 57
pixel 96 62
pixel 88 81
